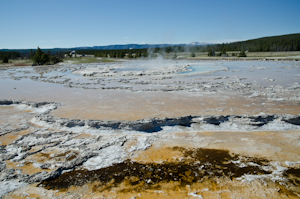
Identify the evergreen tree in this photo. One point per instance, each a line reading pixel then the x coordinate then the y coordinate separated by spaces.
pixel 145 54
pixel 211 52
pixel 223 51
pixel 5 59
pixel 31 54
pixel 55 59
pixel 37 58
pixel 138 54
pixel 122 54
pixel 242 54
pixel 223 54
pixel 129 55
pixel 193 54
pixel 41 58
pixel 45 58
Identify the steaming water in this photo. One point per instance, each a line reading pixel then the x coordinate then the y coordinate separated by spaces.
pixel 160 63
pixel 148 65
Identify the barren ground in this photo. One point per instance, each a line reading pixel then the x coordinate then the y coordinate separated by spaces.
pixel 110 130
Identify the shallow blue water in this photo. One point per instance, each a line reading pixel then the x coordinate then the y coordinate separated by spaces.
pixel 202 68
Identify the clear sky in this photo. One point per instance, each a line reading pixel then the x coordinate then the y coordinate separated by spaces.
pixel 74 23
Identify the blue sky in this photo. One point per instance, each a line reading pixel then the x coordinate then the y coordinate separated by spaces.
pixel 60 23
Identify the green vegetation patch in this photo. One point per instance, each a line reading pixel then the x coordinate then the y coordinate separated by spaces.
pixel 82 60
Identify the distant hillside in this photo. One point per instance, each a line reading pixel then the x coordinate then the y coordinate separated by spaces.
pixel 111 47
pixel 289 42
pixel 129 46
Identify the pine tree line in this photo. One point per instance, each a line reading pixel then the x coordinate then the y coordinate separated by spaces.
pixel 265 44
pixel 129 53
pixel 9 55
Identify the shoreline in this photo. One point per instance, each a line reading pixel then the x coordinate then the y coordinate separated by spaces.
pixel 68 62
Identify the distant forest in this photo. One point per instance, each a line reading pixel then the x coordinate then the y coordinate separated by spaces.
pixel 116 53
pixel 289 42
pixel 27 54
pixel 266 44
pixel 10 54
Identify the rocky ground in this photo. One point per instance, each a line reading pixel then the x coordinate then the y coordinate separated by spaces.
pixel 102 131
